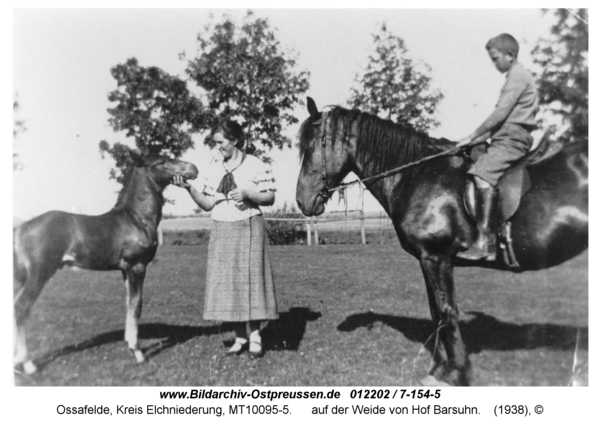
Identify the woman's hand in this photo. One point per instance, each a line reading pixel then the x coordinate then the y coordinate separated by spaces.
pixel 179 181
pixel 239 195
pixel 252 197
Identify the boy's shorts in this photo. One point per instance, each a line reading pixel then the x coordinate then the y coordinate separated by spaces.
pixel 509 144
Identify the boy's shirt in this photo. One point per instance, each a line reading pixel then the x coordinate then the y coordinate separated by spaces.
pixel 518 102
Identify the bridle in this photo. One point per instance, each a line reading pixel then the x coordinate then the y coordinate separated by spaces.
pixel 325 191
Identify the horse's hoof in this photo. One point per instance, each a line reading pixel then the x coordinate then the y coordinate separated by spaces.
pixel 139 356
pixel 29 368
pixel 459 378
pixel 432 381
pixel 438 370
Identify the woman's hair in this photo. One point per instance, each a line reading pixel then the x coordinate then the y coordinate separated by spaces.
pixel 233 131
pixel 504 43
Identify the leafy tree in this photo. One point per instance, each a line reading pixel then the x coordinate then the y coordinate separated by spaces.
pixel 154 108
pixel 394 87
pixel 282 232
pixel 245 75
pixel 563 82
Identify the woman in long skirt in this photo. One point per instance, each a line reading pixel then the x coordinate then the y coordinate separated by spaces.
pixel 239 280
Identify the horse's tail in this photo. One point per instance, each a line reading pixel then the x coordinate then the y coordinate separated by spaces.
pixel 545 149
pixel 21 264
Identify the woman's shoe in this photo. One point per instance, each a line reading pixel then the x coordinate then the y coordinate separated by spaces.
pixel 256 349
pixel 239 346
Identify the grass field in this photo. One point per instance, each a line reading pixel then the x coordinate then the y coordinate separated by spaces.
pixel 349 315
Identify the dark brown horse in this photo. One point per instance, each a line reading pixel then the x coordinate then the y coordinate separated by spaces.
pixel 425 203
pixel 125 238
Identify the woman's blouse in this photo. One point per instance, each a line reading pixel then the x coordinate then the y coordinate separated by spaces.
pixel 252 174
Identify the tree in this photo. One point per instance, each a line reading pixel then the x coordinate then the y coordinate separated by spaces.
pixel 394 87
pixel 18 127
pixel 154 108
pixel 245 75
pixel 563 82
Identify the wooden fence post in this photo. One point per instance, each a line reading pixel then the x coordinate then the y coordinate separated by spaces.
pixel 160 234
pixel 308 232
pixel 363 238
pixel 316 233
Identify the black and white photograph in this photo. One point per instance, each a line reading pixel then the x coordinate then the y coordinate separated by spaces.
pixel 239 197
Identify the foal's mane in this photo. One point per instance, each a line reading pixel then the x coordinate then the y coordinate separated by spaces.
pixel 382 144
pixel 127 183
pixel 131 186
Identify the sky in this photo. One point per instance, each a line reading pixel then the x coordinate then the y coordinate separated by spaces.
pixel 61 78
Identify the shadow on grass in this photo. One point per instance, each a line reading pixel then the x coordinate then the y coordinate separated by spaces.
pixel 480 332
pixel 285 333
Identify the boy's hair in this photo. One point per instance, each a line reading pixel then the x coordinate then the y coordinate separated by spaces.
pixel 504 43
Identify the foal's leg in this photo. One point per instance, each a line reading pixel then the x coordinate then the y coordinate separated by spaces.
pixel 23 301
pixel 21 355
pixel 439 279
pixel 134 281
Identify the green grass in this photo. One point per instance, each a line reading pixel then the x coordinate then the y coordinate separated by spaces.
pixel 349 315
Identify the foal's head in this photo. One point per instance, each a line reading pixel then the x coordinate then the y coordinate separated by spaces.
pixel 163 169
pixel 160 168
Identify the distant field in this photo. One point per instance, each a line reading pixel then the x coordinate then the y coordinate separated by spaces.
pixel 349 315
pixel 186 223
pixel 326 222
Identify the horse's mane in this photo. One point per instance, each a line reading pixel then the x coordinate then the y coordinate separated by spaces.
pixel 381 143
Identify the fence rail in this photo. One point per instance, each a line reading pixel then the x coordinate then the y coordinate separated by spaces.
pixel 329 222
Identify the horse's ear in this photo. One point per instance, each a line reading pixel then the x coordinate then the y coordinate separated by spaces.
pixel 312 107
pixel 137 157
pixel 154 159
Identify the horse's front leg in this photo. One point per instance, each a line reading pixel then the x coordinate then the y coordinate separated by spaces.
pixel 439 278
pixel 134 283
pixel 440 360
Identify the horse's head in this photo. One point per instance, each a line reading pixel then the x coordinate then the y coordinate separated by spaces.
pixel 164 168
pixel 325 160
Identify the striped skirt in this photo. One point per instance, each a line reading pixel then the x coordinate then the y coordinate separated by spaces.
pixel 239 278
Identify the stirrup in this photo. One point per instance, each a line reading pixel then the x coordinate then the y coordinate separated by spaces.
pixel 477 256
pixel 476 253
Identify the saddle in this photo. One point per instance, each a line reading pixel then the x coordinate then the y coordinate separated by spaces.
pixel 512 186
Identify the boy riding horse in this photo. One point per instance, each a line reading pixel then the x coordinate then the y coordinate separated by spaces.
pixel 510 127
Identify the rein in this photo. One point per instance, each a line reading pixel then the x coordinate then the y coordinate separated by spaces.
pixel 449 152
pixel 327 192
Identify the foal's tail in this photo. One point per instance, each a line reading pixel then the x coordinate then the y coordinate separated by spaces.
pixel 39 246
